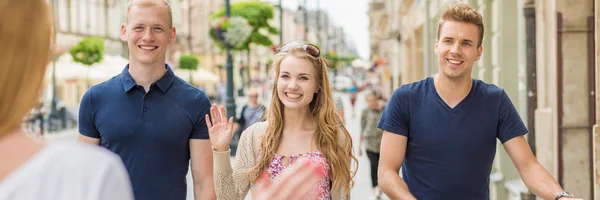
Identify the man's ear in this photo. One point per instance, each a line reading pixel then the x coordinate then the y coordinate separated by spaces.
pixel 173 35
pixel 479 52
pixel 124 32
pixel 435 48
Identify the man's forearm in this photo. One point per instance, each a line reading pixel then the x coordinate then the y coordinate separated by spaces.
pixel 540 182
pixel 393 186
pixel 204 190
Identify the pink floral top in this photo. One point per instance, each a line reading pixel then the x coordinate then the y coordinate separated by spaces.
pixel 322 189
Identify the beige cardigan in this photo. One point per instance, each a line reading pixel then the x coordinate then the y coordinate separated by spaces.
pixel 233 184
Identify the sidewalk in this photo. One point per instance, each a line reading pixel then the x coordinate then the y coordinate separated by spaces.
pixel 362 184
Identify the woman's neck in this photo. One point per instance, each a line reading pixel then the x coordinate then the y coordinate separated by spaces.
pixel 298 120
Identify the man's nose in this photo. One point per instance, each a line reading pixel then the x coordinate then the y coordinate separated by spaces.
pixel 455 48
pixel 148 35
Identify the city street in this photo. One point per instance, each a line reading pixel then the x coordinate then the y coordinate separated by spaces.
pixel 362 187
pixel 536 93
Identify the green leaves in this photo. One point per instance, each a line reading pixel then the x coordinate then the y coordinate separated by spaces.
pixel 258 15
pixel 334 59
pixel 88 51
pixel 189 62
pixel 260 39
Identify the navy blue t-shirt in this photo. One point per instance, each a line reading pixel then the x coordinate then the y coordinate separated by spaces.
pixel 450 151
pixel 149 131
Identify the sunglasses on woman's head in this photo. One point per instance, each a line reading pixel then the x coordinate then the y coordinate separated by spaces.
pixel 309 48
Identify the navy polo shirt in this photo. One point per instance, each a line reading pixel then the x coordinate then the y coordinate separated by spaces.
pixel 450 151
pixel 149 131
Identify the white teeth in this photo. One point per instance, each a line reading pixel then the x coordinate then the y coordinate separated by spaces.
pixel 455 62
pixel 148 47
pixel 293 95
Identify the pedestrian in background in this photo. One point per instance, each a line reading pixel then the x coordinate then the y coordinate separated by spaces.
pixel 31 169
pixel 353 90
pixel 301 123
pixel 370 136
pixel 151 118
pixel 40 113
pixel 251 113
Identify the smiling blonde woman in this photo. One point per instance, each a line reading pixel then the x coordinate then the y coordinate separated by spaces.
pixel 301 124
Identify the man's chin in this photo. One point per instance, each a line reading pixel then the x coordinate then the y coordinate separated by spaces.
pixel 146 61
pixel 454 75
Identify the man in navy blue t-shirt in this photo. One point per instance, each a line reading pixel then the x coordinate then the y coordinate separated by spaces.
pixel 443 130
pixel 148 116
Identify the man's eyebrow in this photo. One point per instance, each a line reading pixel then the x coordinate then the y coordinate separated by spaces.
pixel 464 40
pixel 141 24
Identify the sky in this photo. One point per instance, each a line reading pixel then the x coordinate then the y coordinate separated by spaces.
pixel 351 15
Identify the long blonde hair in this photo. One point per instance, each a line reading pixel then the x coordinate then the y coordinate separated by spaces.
pixel 329 126
pixel 25 40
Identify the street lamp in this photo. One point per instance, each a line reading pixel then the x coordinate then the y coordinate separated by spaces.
pixel 305 21
pixel 280 22
pixel 229 100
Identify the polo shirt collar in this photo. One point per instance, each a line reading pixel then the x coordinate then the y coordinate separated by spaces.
pixel 163 83
pixel 126 79
pixel 166 80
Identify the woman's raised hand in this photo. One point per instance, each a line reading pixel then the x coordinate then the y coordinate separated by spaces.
pixel 220 130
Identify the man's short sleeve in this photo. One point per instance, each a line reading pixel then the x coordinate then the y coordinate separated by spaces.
pixel 87 125
pixel 200 130
pixel 510 124
pixel 395 118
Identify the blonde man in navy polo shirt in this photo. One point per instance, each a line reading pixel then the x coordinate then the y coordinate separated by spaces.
pixel 148 116
pixel 443 130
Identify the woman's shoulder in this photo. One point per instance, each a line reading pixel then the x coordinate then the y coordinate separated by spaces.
pixel 253 134
pixel 258 128
pixel 71 163
pixel 81 155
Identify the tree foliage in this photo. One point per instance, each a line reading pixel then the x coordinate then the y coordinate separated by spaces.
pixel 189 62
pixel 88 51
pixel 335 60
pixel 258 15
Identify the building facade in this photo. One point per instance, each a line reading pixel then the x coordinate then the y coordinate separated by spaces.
pixel 566 88
pixel 596 131
pixel 75 20
pixel 386 40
